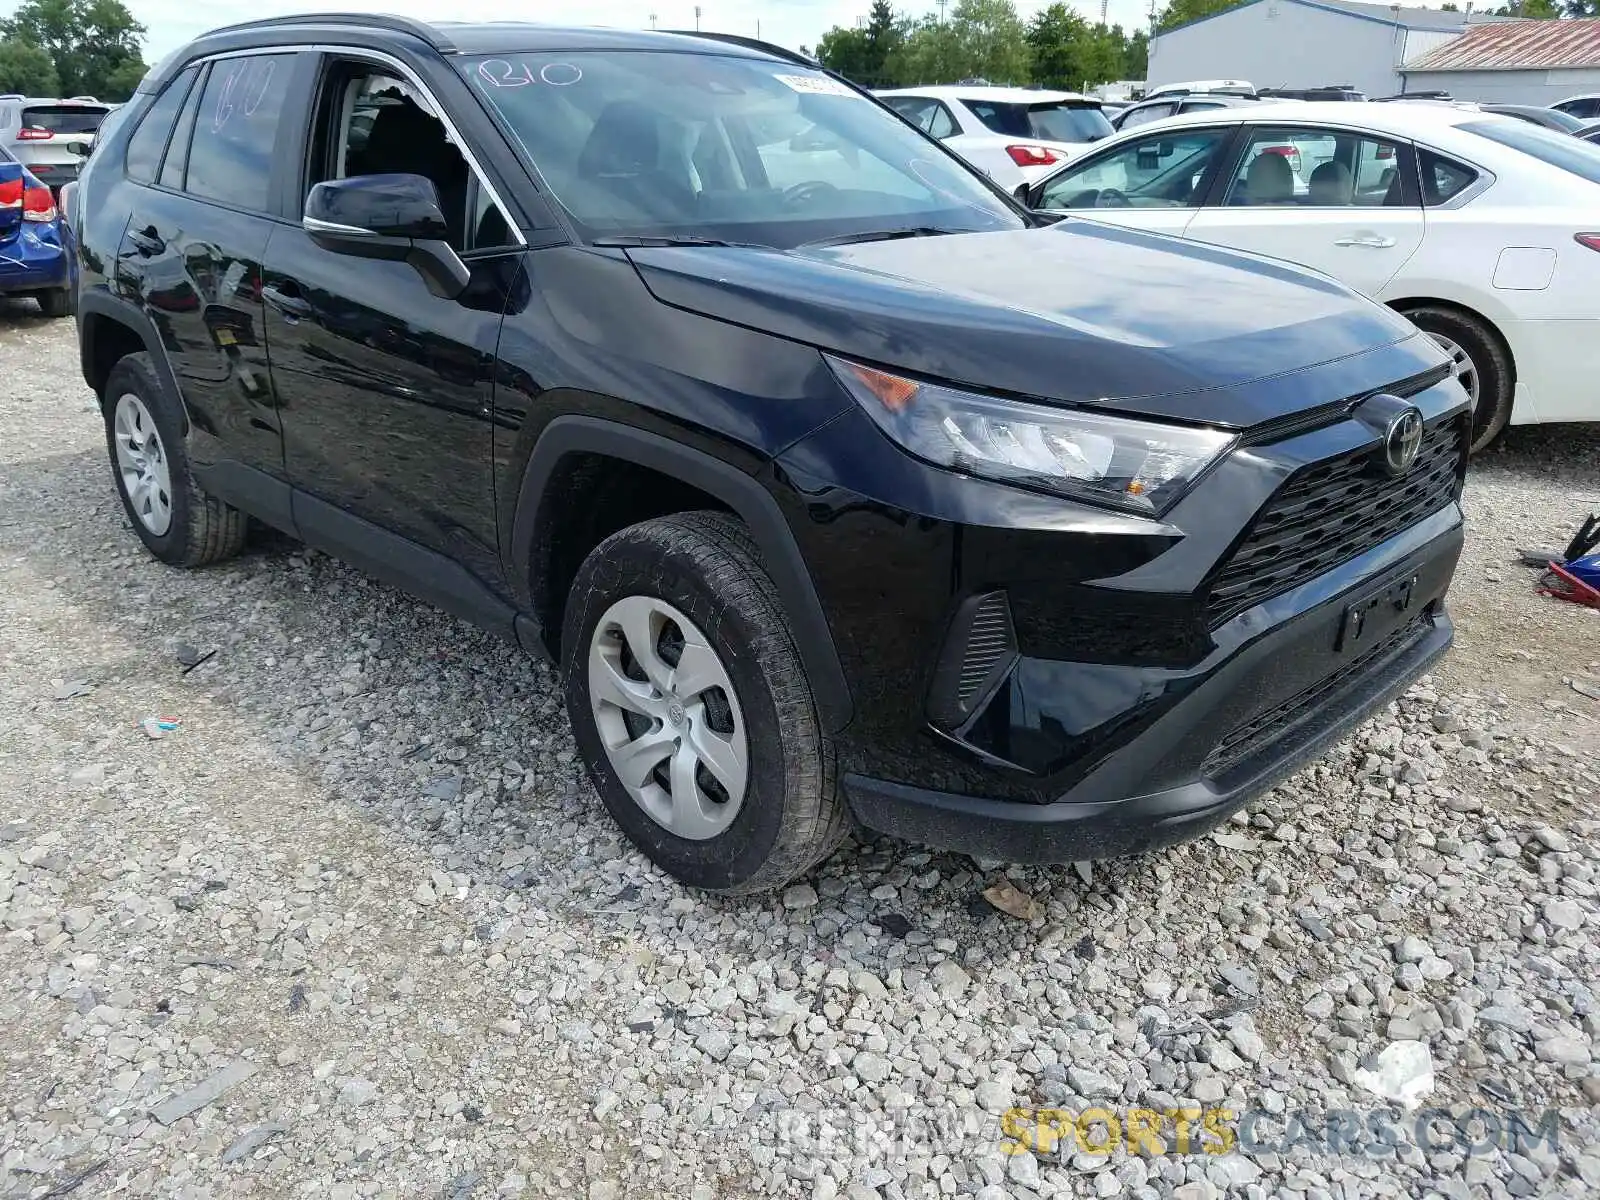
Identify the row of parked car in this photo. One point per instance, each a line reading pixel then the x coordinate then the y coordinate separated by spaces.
pixel 43 144
pixel 1479 222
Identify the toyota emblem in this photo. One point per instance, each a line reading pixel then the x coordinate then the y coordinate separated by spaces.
pixel 1402 440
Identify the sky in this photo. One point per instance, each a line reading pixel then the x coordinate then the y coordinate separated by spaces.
pixel 790 23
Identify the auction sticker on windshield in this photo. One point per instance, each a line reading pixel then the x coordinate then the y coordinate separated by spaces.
pixel 816 85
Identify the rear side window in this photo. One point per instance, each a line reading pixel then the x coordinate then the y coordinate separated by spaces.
pixel 1570 154
pixel 176 164
pixel 1143 116
pixel 1442 178
pixel 149 141
pixel 236 130
pixel 1050 122
pixel 63 118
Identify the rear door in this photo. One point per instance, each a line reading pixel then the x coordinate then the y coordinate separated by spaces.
pixel 1340 200
pixel 1153 182
pixel 208 160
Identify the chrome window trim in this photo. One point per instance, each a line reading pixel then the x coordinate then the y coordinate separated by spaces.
pixel 388 61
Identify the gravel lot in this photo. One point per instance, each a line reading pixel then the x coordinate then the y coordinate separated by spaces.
pixel 363 892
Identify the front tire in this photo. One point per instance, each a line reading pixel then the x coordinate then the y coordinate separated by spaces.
pixel 1481 364
pixel 177 522
pixel 691 708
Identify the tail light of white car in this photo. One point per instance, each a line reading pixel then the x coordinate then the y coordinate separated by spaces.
pixel 33 133
pixel 1025 155
pixel 1292 153
pixel 1591 240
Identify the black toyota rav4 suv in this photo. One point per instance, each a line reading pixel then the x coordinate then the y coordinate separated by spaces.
pixel 841 489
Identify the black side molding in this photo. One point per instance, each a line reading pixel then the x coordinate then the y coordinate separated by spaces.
pixel 744 495
pixel 424 573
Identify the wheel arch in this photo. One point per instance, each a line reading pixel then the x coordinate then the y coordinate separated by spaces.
pixel 109 329
pixel 693 479
pixel 1408 303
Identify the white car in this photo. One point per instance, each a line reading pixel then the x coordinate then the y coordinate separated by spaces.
pixel 1483 229
pixel 1015 135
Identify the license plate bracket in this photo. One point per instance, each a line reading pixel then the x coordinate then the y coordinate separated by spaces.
pixel 1377 612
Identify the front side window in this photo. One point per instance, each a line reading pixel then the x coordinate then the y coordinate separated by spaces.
pixel 1054 121
pixel 1161 170
pixel 236 130
pixel 662 144
pixel 149 142
pixel 373 122
pixel 1316 168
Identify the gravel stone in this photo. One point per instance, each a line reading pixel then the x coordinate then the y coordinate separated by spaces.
pixel 370 861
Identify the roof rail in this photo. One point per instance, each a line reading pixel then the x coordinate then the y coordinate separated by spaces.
pixel 430 34
pixel 749 43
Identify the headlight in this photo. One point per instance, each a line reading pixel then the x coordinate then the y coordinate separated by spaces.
pixel 1140 466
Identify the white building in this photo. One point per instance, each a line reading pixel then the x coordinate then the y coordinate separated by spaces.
pixel 1515 62
pixel 1303 43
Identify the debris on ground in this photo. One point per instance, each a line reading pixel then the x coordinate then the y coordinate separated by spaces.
pixel 72 688
pixel 251 1140
pixel 1013 901
pixel 1401 1072
pixel 212 1089
pixel 156 728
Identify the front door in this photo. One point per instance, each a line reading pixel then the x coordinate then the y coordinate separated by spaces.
pixel 1154 182
pixel 1341 201
pixel 388 389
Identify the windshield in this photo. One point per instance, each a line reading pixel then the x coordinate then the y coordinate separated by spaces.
pixel 1059 121
pixel 65 118
pixel 1562 150
pixel 681 144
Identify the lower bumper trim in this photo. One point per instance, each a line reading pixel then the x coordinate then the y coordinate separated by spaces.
pixel 1070 830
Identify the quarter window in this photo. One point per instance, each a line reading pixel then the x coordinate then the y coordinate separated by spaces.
pixel 236 130
pixel 1143 116
pixel 149 141
pixel 1442 178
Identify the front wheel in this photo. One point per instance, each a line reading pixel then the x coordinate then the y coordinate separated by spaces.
pixel 1481 365
pixel 691 708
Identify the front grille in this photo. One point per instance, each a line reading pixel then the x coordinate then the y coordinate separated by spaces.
pixel 1331 512
pixel 1261 731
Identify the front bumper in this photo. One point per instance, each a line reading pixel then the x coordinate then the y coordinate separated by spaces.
pixel 1273 705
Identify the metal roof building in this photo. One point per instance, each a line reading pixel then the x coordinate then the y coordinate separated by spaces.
pixel 1512 62
pixel 1303 43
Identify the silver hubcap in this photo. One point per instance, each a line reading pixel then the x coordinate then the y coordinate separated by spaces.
pixel 142 463
pixel 1465 369
pixel 668 717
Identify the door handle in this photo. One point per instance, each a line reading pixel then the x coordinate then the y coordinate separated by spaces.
pixel 292 307
pixel 147 241
pixel 1375 241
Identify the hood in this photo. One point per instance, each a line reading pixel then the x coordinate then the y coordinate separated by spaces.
pixel 1079 313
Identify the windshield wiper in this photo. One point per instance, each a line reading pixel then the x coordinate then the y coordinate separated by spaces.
pixel 884 235
pixel 635 241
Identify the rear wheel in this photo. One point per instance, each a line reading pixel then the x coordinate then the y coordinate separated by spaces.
pixel 1481 366
pixel 175 520
pixel 55 302
pixel 691 708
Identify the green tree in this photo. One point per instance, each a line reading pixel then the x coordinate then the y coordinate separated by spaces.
pixel 1057 37
pixel 845 51
pixel 1575 8
pixel 991 38
pixel 91 43
pixel 1136 56
pixel 886 33
pixel 1181 12
pixel 26 68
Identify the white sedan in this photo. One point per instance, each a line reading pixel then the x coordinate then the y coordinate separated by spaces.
pixel 1014 135
pixel 1484 230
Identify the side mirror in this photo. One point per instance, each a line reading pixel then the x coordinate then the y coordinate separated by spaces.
pixel 392 217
